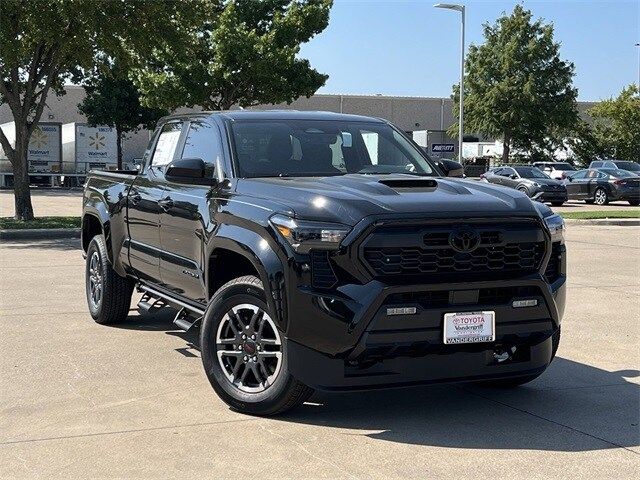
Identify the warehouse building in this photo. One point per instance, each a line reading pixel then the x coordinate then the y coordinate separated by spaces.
pixel 429 115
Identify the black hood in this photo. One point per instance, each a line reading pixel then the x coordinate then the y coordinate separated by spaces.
pixel 349 198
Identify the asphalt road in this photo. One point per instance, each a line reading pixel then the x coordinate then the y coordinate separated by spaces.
pixel 79 400
pixel 53 202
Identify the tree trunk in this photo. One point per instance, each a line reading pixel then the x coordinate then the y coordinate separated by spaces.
pixel 119 146
pixel 20 163
pixel 506 149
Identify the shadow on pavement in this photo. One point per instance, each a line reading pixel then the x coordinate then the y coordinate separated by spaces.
pixel 571 398
pixel 571 407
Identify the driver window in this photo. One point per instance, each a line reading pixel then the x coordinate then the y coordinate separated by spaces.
pixel 167 144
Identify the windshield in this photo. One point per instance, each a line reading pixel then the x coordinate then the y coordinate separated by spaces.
pixel 310 148
pixel 565 167
pixel 530 172
pixel 617 173
pixel 630 166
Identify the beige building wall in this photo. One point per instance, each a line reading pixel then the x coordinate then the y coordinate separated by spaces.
pixel 408 113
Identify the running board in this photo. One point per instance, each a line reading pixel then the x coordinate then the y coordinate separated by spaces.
pixel 168 300
pixel 185 321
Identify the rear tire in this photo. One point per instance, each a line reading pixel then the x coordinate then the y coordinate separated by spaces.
pixel 108 294
pixel 244 354
pixel 517 381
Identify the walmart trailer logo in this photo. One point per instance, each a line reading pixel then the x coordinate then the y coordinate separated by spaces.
pixel 97 141
pixel 39 139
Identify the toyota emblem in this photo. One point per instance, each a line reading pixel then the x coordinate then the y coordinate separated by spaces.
pixel 464 240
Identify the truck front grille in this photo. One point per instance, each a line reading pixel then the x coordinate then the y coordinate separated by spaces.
pixel 500 249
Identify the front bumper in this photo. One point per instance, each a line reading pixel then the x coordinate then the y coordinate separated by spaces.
pixel 550 196
pixel 341 335
pixel 347 340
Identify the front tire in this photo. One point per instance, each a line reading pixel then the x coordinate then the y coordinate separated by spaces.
pixel 108 294
pixel 244 354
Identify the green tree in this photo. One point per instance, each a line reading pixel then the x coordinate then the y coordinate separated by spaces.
pixel 247 56
pixel 616 126
pixel 113 99
pixel 44 43
pixel 517 88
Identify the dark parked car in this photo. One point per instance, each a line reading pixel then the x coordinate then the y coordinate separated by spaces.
pixel 530 180
pixel 324 251
pixel 600 186
pixel 633 167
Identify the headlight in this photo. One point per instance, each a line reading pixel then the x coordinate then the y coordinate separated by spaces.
pixel 303 235
pixel 555 224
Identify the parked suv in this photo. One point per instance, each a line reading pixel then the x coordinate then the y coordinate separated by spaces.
pixel 556 170
pixel 324 251
pixel 629 166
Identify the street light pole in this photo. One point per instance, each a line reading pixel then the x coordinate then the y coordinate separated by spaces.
pixel 461 9
pixel 638 46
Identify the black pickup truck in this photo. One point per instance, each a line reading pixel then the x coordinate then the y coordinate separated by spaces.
pixel 325 251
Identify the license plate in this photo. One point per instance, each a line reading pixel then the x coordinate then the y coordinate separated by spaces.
pixel 469 327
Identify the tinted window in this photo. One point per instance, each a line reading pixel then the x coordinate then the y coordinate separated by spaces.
pixel 507 172
pixel 563 167
pixel 167 144
pixel 310 148
pixel 202 142
pixel 580 174
pixel 596 164
pixel 630 166
pixel 618 173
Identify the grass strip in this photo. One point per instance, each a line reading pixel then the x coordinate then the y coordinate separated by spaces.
pixel 10 223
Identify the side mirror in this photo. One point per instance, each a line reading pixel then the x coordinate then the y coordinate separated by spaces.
pixel 191 171
pixel 451 168
pixel 513 176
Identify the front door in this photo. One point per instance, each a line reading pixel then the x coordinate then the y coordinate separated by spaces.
pixel 185 217
pixel 143 212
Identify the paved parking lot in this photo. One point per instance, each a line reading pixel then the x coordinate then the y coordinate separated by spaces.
pixel 79 400
pixel 48 202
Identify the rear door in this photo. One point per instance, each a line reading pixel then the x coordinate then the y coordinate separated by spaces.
pixel 185 216
pixel 143 214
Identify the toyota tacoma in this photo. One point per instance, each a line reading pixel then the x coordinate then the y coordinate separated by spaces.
pixel 324 251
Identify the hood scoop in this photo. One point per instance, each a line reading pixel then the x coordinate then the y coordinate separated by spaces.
pixel 410 184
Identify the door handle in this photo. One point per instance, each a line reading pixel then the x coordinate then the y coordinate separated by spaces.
pixel 165 203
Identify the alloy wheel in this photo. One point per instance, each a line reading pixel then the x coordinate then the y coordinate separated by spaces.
pixel 249 348
pixel 600 197
pixel 95 280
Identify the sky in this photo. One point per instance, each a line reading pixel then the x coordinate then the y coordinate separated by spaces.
pixel 407 47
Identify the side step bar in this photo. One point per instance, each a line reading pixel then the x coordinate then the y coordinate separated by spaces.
pixel 152 300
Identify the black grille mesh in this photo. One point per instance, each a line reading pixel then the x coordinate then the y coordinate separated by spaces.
pixel 515 248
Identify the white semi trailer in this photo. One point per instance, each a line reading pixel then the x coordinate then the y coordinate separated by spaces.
pixel 86 148
pixel 45 148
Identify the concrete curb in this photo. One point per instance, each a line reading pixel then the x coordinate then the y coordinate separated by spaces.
pixel 617 222
pixel 39 233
